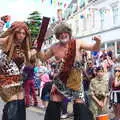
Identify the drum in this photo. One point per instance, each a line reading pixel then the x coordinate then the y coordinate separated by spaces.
pixel 102 117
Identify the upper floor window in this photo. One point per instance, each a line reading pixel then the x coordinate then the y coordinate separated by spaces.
pixel 102 18
pixel 115 15
pixel 118 47
pixel 84 23
pixel 77 26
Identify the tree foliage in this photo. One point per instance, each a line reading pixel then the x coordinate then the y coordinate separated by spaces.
pixel 34 21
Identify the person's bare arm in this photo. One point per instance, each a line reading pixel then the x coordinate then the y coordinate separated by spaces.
pixel 42 55
pixel 95 99
pixel 91 47
pixel 45 55
pixel 105 100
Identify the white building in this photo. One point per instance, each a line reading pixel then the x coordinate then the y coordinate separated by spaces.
pixel 98 17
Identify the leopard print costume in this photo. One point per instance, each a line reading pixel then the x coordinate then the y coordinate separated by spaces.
pixel 10 82
pixel 69 81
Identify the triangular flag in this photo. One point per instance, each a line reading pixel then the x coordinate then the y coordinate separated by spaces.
pixel 58 4
pixel 65 4
pixel 51 2
pixel 42 0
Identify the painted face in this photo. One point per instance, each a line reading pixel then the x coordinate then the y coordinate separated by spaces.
pixel 90 64
pixel 64 37
pixel 20 36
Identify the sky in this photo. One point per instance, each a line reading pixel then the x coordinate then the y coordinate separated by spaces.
pixel 20 9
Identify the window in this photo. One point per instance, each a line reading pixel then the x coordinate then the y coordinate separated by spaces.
pixel 102 18
pixel 84 23
pixel 77 26
pixel 103 46
pixel 111 45
pixel 115 15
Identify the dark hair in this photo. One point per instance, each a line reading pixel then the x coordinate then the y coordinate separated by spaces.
pixel 61 28
pixel 53 65
pixel 99 68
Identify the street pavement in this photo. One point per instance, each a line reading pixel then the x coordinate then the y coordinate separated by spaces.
pixel 32 113
pixel 36 113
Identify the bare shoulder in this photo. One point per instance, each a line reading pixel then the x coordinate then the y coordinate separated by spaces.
pixel 3 40
pixel 82 44
pixel 54 47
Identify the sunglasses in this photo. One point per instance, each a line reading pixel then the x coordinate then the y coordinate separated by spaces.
pixel 116 70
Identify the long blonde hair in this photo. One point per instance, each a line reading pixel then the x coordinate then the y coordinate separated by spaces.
pixel 10 34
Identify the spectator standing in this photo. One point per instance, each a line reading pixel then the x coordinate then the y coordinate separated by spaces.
pixel 29 83
pixel 115 94
pixel 99 93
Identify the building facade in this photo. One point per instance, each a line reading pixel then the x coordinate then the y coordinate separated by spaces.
pixel 97 17
pixel 89 18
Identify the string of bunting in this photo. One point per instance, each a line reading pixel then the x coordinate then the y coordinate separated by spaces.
pixel 90 11
pixel 59 3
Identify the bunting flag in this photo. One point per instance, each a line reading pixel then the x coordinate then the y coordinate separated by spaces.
pixel 42 1
pixel 65 4
pixel 51 2
pixel 54 2
pixel 60 4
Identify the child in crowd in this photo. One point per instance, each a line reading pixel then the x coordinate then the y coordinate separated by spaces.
pixel 28 72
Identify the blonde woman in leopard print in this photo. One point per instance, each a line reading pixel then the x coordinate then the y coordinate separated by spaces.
pixel 15 51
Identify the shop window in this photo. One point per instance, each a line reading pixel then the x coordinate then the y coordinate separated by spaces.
pixel 102 46
pixel 118 47
pixel 111 46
